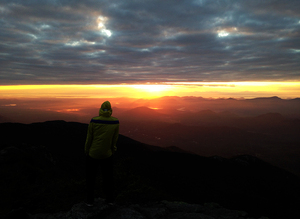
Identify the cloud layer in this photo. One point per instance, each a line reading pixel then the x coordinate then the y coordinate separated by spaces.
pixel 148 41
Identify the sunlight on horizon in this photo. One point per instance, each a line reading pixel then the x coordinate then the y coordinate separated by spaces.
pixel 154 90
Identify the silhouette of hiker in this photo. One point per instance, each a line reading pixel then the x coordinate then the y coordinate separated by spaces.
pixel 100 145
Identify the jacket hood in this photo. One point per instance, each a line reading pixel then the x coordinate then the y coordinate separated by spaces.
pixel 105 109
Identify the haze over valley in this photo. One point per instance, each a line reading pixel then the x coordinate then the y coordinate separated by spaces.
pixel 267 128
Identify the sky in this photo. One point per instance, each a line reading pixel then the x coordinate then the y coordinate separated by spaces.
pixel 128 43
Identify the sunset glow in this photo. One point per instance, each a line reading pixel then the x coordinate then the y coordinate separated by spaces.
pixel 148 91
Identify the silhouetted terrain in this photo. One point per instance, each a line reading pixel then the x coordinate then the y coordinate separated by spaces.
pixel 271 136
pixel 267 128
pixel 42 170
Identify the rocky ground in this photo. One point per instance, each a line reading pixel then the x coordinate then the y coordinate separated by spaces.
pixel 157 210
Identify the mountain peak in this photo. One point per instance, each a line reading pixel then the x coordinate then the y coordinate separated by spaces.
pixel 267 98
pixel 141 113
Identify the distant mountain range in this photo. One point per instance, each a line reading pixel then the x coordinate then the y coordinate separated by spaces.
pixel 82 109
pixel 43 168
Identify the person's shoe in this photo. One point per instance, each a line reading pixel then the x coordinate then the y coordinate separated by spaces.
pixel 109 202
pixel 89 204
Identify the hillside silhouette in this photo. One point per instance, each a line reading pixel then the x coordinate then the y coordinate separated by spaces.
pixel 42 169
pixel 270 136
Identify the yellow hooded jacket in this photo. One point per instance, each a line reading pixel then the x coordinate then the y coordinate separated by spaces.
pixel 103 133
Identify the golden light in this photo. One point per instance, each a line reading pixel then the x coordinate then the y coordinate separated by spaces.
pixel 246 90
pixel 152 89
pixel 67 110
pixel 148 91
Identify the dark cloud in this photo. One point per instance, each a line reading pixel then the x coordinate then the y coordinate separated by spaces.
pixel 128 41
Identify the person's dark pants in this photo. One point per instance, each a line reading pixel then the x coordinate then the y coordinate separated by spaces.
pixel 106 167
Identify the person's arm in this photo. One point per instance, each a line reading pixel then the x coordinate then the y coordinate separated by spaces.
pixel 89 139
pixel 115 139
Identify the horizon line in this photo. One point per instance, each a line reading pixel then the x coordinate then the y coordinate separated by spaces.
pixel 247 90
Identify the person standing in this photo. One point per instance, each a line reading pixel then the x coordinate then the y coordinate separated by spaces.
pixel 100 145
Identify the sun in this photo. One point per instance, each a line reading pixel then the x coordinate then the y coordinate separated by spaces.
pixel 152 89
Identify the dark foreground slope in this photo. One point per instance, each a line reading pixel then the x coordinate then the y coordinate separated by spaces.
pixel 42 170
